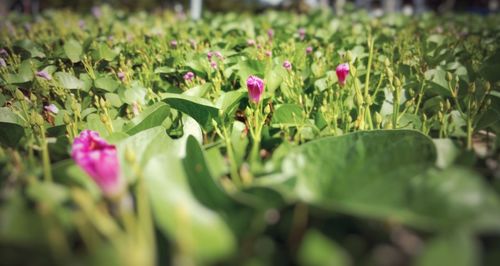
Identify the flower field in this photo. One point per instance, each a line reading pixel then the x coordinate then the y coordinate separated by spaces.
pixel 135 138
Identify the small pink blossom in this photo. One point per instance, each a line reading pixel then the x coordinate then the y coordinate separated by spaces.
pixel 173 43
pixel 309 50
pixel 2 62
pixel 99 160
pixel 270 33
pixel 209 55
pixel 302 33
pixel 51 108
pixel 342 73
pixel 188 76
pixel 96 12
pixel 44 74
pixel 219 55
pixel 121 75
pixel 287 65
pixel 213 64
pixel 255 87
pixel 251 42
pixel 269 53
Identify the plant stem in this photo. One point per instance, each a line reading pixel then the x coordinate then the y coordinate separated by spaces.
pixel 47 171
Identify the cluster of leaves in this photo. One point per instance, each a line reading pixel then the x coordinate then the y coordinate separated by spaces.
pixel 398 166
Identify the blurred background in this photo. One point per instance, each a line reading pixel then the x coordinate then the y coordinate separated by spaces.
pixel 195 7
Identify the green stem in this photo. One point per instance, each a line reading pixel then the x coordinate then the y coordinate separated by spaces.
pixel 47 171
pixel 232 158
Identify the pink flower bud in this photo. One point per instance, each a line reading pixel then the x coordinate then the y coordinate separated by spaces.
pixel 188 76
pixel 342 73
pixel 43 74
pixel 173 43
pixel 309 50
pixel 255 88
pixel 219 55
pixel 270 33
pixel 269 53
pixel 302 33
pixel 209 56
pixel 51 108
pixel 287 65
pixel 213 64
pixel 250 42
pixel 121 75
pixel 99 160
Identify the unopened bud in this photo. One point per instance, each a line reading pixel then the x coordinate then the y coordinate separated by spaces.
pixel 19 95
pixel 102 103
pixel 348 56
pixel 449 76
pixel 267 109
pixel 378 118
pixel 129 155
pixel 66 119
pixel 487 86
pixel 397 82
pixel 104 118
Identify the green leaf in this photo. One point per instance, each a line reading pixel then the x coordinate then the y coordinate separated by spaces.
pixel 318 250
pixel 25 74
pixel 199 109
pixel 179 216
pixel 288 115
pixel 456 248
pixel 68 81
pixel 204 187
pixel 11 129
pixel 73 50
pixel 106 53
pixel 106 83
pixel 153 116
pixel 364 173
pixel 136 93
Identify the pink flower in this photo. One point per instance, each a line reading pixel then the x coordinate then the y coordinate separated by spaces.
pixel 302 33
pixel 96 12
pixel 188 76
pixel 121 75
pixel 213 64
pixel 287 65
pixel 250 42
pixel 309 50
pixel 99 160
pixel 209 55
pixel 219 55
pixel 173 43
pixel 51 108
pixel 269 53
pixel 43 74
pixel 3 53
pixel 255 87
pixel 342 73
pixel 2 62
pixel 270 33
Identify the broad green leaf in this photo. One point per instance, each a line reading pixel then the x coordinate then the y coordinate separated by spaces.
pixel 73 50
pixel 364 173
pixel 153 116
pixel 199 109
pixel 178 215
pixel 288 115
pixel 455 248
pixel 318 250
pixel 106 83
pixel 11 129
pixel 68 81
pixel 136 93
